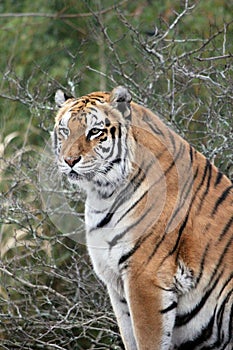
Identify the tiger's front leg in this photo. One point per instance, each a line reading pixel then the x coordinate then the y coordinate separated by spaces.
pixel 121 311
pixel 153 311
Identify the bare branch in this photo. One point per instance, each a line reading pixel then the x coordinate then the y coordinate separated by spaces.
pixel 214 58
pixel 178 18
pixel 33 286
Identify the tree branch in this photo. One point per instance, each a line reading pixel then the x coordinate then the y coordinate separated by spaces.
pixel 37 286
pixel 214 58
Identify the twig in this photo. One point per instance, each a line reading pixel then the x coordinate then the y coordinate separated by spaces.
pixel 34 286
pixel 178 18
pixel 214 58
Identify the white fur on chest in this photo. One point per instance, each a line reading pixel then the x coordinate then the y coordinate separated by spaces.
pixel 104 254
pixel 105 260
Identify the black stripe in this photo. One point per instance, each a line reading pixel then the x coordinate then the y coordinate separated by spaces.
pixel 123 301
pixel 220 260
pixel 115 240
pixel 182 227
pixel 138 178
pixel 179 154
pixel 120 235
pixel 107 121
pixel 119 141
pixel 196 173
pixel 202 337
pixel 126 256
pixel 119 153
pixel 113 132
pixel 107 168
pixel 164 235
pixel 169 308
pixel 172 138
pixel 136 246
pixel 220 340
pixel 119 130
pixel 191 177
pixel 230 278
pixel 152 126
pixel 191 153
pixel 191 203
pixel 161 153
pixel 218 179
pixel 209 171
pixel 182 320
pixel 230 328
pixel 132 206
pixel 156 247
pixel 202 264
pixel 93 109
pixel 185 189
pixel 121 199
pixel 222 311
pixel 200 184
pixel 126 193
pixel 226 229
pixel 182 201
pixel 119 158
pixel 208 180
pixel 126 154
pixel 219 319
pixel 105 220
pixel 221 199
pixel 204 174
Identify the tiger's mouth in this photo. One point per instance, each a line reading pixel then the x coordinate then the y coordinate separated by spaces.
pixel 77 177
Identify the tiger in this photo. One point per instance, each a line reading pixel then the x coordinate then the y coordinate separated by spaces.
pixel 158 218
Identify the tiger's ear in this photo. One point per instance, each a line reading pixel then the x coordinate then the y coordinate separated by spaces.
pixel 120 98
pixel 61 97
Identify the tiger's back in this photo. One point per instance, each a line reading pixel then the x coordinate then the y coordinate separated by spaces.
pixel 159 223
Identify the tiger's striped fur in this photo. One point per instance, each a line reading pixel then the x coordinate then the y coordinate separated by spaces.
pixel 158 222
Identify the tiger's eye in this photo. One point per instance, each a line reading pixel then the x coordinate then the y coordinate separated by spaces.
pixel 94 131
pixel 63 131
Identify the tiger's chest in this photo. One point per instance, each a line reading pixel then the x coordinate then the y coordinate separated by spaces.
pixel 105 261
pixel 107 240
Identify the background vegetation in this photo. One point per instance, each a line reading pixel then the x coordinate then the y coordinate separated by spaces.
pixel 175 57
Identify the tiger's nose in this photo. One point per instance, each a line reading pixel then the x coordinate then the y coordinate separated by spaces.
pixel 71 161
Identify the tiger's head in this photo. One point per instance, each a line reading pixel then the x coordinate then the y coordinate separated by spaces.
pixel 92 139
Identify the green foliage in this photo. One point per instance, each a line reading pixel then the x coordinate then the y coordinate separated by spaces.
pixel 174 56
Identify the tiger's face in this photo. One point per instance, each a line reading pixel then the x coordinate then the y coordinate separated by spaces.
pixel 90 140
